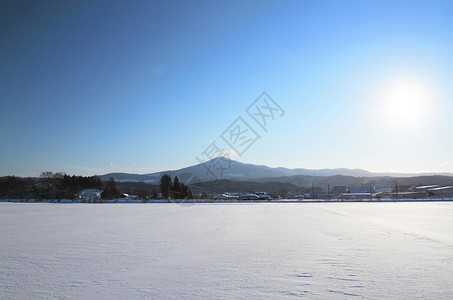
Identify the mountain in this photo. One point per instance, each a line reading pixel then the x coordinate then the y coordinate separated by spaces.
pixel 216 168
pixel 225 168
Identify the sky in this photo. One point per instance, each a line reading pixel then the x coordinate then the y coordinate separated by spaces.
pixel 93 87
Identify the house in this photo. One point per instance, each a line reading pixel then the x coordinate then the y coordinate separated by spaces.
pixel 225 196
pixel 89 195
pixel 249 197
pixel 263 196
pixel 124 196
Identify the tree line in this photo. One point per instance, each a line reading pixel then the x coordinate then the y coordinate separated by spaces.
pixel 49 186
pixel 174 188
pixel 62 186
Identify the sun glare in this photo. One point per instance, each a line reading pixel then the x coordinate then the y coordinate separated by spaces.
pixel 405 102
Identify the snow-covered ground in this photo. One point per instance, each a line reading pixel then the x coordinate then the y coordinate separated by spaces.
pixel 236 251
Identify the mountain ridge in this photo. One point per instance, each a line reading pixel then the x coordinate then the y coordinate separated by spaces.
pixel 225 168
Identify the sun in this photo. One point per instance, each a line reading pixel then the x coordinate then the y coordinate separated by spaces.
pixel 404 102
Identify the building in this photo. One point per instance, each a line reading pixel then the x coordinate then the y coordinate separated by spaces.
pixel 339 189
pixel 442 192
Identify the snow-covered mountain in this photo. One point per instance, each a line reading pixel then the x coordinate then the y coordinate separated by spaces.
pixel 225 168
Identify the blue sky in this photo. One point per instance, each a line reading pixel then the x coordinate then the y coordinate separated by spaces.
pixel 92 87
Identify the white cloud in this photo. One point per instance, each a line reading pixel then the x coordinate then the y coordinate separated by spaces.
pixel 230 153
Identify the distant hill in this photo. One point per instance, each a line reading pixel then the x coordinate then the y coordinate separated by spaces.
pixel 305 183
pixel 225 168
pixel 127 177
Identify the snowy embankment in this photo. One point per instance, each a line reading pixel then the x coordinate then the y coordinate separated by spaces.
pixel 235 251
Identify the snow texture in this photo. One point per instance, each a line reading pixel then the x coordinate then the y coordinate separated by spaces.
pixel 234 251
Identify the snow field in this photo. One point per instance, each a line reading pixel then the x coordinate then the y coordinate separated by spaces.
pixel 240 251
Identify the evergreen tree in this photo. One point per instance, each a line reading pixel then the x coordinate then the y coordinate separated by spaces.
pixel 176 188
pixel 165 185
pixel 95 182
pixel 110 191
pixel 186 193
pixel 189 193
pixel 13 184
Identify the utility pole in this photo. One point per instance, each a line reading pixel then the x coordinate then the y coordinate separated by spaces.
pixel 328 191
pixel 371 194
pixel 396 190
pixel 312 191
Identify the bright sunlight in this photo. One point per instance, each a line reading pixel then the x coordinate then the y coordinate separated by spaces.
pixel 405 102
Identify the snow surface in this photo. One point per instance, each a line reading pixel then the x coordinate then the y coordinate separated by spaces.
pixel 236 251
